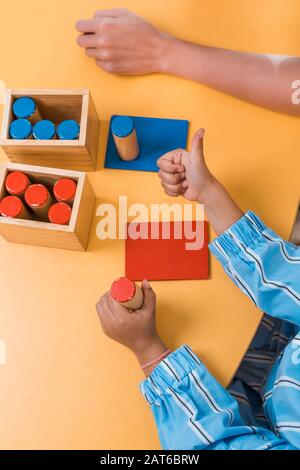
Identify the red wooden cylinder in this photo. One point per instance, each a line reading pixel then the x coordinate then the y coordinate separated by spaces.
pixel 12 206
pixel 38 198
pixel 60 213
pixel 64 190
pixel 127 293
pixel 16 183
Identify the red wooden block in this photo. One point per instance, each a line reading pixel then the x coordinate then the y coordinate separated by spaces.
pixel 167 259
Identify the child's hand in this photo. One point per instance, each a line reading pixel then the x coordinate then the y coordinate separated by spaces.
pixel 136 330
pixel 185 173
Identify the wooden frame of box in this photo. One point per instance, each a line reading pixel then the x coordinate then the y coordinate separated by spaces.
pixel 33 232
pixel 55 105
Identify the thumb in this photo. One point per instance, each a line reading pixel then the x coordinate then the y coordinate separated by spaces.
pixel 149 294
pixel 197 142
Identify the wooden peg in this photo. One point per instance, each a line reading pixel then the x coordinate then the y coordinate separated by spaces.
pixel 127 293
pixel 60 213
pixel 68 129
pixel 38 198
pixel 12 206
pixel 44 130
pixel 125 137
pixel 64 190
pixel 16 183
pixel 20 129
pixel 25 107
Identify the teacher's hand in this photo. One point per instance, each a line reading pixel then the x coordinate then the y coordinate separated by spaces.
pixel 122 42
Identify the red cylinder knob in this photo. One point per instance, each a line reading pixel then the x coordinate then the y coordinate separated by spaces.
pixel 16 183
pixel 39 200
pixel 60 213
pixel 127 293
pixel 64 190
pixel 12 206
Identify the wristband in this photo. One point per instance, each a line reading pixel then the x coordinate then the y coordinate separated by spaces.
pixel 158 359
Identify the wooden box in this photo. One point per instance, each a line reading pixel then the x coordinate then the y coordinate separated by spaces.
pixel 55 105
pixel 33 232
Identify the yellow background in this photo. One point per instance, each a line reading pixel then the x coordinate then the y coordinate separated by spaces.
pixel 65 385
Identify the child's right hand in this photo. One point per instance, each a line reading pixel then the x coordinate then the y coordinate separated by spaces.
pixel 135 330
pixel 185 173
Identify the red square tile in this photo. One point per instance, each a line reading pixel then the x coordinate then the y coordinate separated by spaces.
pixel 167 259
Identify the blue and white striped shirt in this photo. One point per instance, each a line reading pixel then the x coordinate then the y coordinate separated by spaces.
pixel 191 409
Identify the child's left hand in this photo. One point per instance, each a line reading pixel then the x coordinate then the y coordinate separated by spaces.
pixel 136 330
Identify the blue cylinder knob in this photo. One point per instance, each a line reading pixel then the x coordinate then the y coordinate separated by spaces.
pixel 68 130
pixel 44 130
pixel 24 107
pixel 122 126
pixel 20 129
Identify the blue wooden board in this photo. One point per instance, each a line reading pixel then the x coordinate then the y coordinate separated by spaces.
pixel 156 137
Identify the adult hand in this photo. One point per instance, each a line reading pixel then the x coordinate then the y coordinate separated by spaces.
pixel 122 42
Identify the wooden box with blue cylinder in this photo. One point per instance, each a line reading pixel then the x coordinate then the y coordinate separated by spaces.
pixel 51 127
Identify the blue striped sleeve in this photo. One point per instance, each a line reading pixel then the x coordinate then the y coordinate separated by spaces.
pixel 193 411
pixel 262 265
pixel 282 394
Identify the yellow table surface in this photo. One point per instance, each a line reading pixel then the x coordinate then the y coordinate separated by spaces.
pixel 65 385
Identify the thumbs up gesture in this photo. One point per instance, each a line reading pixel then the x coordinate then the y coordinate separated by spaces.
pixel 185 173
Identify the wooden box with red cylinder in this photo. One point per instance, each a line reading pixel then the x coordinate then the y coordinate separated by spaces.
pixel 45 206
